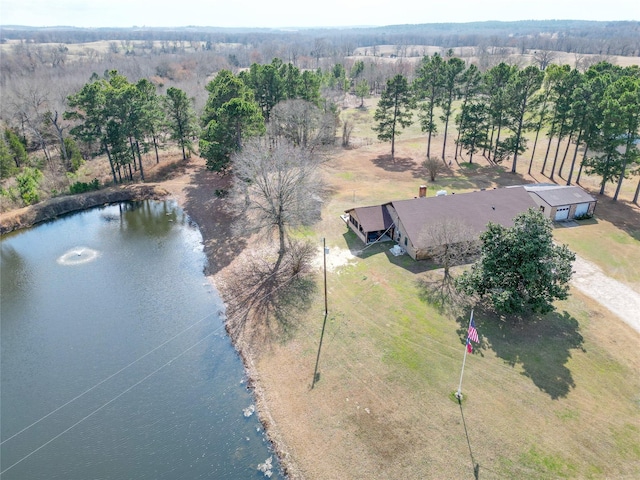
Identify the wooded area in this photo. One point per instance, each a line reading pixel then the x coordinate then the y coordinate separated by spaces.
pixel 487 86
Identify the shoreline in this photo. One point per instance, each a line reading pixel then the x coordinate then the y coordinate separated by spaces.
pixel 185 190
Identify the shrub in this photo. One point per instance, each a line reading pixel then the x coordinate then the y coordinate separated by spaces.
pixel 73 153
pixel 28 182
pixel 82 187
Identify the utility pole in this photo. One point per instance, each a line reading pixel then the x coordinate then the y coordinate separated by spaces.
pixel 326 311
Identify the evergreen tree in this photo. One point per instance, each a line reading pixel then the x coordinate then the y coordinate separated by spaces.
pixel 521 88
pixel 451 84
pixel 617 132
pixel 473 121
pixel 16 148
pixel 7 164
pixel 562 110
pixel 230 114
pixel 428 88
pixel 521 269
pixel 471 82
pixel 267 85
pixel 394 110
pixel 152 116
pixel 181 119
pixel 554 78
pixel 498 103
pixel 362 91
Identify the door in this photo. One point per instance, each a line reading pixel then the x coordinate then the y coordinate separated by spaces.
pixel 581 210
pixel 562 213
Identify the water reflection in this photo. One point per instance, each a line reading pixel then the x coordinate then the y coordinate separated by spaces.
pixel 119 368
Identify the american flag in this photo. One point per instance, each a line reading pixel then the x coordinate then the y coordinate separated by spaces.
pixel 473 333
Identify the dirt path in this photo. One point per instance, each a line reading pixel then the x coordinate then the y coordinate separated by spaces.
pixel 611 294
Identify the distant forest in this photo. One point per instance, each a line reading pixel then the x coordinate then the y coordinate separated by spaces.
pixel 571 36
pixel 70 95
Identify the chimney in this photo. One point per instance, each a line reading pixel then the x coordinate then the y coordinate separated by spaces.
pixel 423 191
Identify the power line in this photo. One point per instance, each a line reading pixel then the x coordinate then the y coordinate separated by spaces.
pixel 132 386
pixel 106 379
pixel 110 401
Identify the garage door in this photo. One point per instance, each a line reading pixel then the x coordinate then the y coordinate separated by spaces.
pixel 562 213
pixel 581 210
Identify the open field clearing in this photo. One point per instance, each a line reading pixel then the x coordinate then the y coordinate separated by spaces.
pixel 383 53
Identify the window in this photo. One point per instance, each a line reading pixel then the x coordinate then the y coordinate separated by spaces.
pixel 405 241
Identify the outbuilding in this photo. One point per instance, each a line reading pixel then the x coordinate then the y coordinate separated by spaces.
pixel 562 203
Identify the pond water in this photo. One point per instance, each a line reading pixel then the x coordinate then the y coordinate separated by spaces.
pixel 114 359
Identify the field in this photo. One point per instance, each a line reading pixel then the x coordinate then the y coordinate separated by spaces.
pixel 555 398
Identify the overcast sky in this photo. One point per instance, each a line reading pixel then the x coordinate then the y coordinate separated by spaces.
pixel 288 13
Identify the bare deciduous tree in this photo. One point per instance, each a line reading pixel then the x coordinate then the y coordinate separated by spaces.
pixel 276 188
pixel 302 123
pixel 347 128
pixel 543 58
pixel 450 243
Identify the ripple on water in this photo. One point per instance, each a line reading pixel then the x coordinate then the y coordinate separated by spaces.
pixel 78 256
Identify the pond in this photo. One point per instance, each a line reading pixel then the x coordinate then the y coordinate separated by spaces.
pixel 115 360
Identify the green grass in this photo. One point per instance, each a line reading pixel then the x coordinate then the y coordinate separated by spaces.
pixel 545 380
pixel 546 465
pixel 605 245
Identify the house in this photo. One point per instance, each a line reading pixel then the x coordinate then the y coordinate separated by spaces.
pixel 561 203
pixel 408 221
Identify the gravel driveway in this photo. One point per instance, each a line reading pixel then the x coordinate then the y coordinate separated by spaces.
pixel 611 294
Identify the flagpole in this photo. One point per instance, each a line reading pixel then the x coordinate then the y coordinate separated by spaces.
pixel 466 349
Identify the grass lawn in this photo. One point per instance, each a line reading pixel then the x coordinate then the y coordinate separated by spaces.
pixel 558 397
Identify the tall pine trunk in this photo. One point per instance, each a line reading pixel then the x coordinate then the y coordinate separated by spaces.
pixel 607 167
pixel 155 147
pixel 535 141
pixel 584 157
pixel 624 166
pixel 546 155
pixel 444 140
pixel 564 157
pixel 140 160
pixel 555 157
pixel 113 170
pixel 575 155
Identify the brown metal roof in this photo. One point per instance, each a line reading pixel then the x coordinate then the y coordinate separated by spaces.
pixel 373 218
pixel 475 210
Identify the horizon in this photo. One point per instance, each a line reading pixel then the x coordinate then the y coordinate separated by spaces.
pixel 294 27
pixel 280 15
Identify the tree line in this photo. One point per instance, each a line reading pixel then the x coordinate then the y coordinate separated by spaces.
pixel 591 119
pixel 573 36
pixel 123 120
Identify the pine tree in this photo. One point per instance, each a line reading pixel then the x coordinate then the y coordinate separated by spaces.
pixel 394 110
